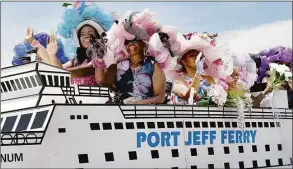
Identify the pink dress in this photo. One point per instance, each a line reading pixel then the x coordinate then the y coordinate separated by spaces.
pixel 85 81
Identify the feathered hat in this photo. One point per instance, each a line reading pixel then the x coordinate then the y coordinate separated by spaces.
pixel 164 47
pixel 246 68
pixel 21 49
pixel 139 25
pixel 79 14
pixel 218 61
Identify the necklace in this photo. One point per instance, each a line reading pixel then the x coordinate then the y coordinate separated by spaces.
pixel 135 70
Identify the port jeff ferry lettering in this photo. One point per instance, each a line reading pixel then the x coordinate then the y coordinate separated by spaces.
pixel 167 139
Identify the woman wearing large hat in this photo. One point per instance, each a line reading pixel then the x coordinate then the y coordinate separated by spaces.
pixel 200 62
pixel 82 23
pixel 137 76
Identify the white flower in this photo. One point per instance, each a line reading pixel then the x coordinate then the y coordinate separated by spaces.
pixel 273 66
pixel 247 95
pixel 285 68
pixel 218 94
pixel 248 100
pixel 281 69
pixel 288 76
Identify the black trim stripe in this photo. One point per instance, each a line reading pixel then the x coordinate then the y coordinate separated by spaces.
pixel 17 65
pixel 52 66
pixel 148 116
pixel 19 97
pixel 48 123
pixel 21 73
pixel 53 72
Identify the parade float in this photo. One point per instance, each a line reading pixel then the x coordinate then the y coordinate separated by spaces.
pixel 48 122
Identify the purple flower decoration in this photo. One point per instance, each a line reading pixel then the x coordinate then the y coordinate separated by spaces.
pixel 278 54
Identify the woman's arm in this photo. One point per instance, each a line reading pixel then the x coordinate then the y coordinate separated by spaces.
pixel 159 87
pixel 68 65
pixel 51 58
pixel 104 76
pixel 52 48
pixel 181 89
pixel 42 52
pixel 268 89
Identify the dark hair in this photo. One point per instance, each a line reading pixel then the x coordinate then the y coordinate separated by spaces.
pixel 81 51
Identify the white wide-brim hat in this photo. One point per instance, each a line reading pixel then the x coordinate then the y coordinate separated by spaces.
pixel 92 23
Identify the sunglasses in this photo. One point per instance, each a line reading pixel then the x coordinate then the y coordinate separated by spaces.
pixel 127 42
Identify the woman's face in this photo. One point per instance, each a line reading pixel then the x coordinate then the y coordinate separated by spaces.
pixel 85 34
pixel 134 47
pixel 189 59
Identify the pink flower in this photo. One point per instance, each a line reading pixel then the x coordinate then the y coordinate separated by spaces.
pixel 224 84
pixel 77 4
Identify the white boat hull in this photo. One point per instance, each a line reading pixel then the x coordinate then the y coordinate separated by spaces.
pixel 82 145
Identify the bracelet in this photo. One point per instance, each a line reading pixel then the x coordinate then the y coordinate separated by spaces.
pixel 99 82
pixel 99 64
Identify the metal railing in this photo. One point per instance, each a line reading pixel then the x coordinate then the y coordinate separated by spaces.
pixel 68 91
pixel 179 111
pixel 93 91
pixel 21 138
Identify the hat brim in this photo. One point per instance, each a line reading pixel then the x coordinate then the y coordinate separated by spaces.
pixel 92 23
pixel 181 54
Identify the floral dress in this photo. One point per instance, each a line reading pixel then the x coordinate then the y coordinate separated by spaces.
pixel 202 92
pixel 85 81
pixel 136 83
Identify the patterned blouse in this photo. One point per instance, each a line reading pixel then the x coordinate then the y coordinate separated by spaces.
pixel 136 82
pixel 85 81
pixel 202 91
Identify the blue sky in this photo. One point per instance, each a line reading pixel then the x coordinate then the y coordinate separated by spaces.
pixel 188 16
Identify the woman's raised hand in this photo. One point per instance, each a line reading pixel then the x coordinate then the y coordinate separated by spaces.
pixel 52 46
pixel 29 35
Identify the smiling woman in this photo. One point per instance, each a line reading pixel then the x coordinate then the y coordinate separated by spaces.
pixel 137 77
pixel 82 22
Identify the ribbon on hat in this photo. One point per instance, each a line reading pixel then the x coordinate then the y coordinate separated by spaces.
pixel 80 5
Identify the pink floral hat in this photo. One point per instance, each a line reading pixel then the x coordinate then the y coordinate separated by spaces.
pixel 164 46
pixel 218 62
pixel 134 25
